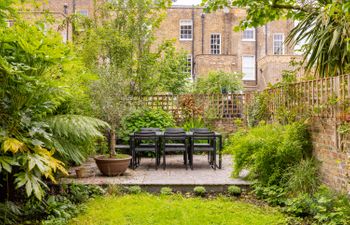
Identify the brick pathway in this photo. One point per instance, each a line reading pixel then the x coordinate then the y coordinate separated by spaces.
pixel 175 174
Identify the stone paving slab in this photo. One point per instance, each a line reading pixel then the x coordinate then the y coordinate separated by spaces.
pixel 175 174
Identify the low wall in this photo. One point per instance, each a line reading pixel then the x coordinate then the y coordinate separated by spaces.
pixel 333 150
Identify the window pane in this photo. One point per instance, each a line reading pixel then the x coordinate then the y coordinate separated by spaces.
pixel 215 44
pixel 185 29
pixel 249 34
pixel 278 45
pixel 248 67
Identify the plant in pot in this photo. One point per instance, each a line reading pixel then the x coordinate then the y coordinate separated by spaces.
pixel 111 99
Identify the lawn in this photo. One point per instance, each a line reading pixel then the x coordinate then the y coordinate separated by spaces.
pixel 170 210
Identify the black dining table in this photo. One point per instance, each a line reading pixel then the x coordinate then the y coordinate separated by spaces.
pixel 189 135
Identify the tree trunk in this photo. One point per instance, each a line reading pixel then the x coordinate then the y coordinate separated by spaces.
pixel 112 143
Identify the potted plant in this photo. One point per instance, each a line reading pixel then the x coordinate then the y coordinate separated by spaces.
pixel 110 94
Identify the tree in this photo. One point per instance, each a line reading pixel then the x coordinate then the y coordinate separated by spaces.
pixel 324 25
pixel 218 82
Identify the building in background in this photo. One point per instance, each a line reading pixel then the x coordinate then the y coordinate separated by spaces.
pixel 209 39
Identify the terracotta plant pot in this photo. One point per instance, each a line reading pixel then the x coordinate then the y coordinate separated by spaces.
pixel 83 172
pixel 113 166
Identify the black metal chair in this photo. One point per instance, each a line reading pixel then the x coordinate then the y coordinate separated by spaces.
pixel 174 130
pixel 197 145
pixel 175 141
pixel 145 141
pixel 199 130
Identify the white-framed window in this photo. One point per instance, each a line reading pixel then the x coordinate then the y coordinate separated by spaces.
pixel 248 67
pixel 278 44
pixel 186 29
pixel 248 34
pixel 215 44
pixel 10 23
pixel 189 64
pixel 84 12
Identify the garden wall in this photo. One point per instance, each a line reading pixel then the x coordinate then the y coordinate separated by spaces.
pixel 333 150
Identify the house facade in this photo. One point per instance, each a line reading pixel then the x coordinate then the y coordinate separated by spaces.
pixel 210 40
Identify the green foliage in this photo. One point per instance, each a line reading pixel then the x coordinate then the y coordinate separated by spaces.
pixel 166 191
pixel 199 191
pixel 193 123
pixel 218 82
pixel 144 118
pixel 134 190
pixel 269 150
pixel 170 209
pixel 273 195
pixel 234 190
pixel 326 31
pixel 324 207
pixel 303 177
pixel 173 74
pixel 9 213
pixel 258 109
pixel 29 103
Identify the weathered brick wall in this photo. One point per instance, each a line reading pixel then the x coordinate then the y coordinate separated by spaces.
pixel 333 150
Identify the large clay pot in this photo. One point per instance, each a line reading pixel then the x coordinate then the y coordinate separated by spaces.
pixel 113 166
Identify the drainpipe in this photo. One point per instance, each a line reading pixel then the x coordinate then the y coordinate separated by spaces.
pixel 193 36
pixel 65 11
pixel 74 4
pixel 203 17
pixel 256 56
pixel 265 39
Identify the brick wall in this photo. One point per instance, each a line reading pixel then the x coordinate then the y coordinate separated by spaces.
pixel 333 150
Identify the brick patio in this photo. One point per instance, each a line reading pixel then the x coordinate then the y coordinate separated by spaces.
pixel 175 175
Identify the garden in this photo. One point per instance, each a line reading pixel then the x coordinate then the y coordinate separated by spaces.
pixel 63 103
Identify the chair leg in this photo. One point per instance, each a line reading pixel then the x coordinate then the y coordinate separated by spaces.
pixel 185 155
pixel 164 162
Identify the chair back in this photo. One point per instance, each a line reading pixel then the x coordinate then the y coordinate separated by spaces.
pixel 145 136
pixel 174 130
pixel 199 130
pixel 203 135
pixel 175 135
pixel 150 129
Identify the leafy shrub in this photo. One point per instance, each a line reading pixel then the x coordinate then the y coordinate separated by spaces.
pixel 258 109
pixel 269 150
pixel 324 207
pixel 303 177
pixel 166 191
pixel 145 118
pixel 218 82
pixel 134 190
pixel 193 123
pixel 114 189
pixel 9 213
pixel 199 191
pixel 273 195
pixel 234 190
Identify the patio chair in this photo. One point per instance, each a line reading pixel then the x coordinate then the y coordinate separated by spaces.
pixel 150 129
pixel 145 141
pixel 175 141
pixel 199 130
pixel 209 147
pixel 174 130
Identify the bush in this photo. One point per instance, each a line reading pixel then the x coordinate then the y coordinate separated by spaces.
pixel 199 191
pixel 134 190
pixel 218 82
pixel 145 118
pixel 303 177
pixel 234 190
pixel 166 191
pixel 269 150
pixel 273 195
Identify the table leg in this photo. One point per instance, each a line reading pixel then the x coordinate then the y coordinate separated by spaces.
pixel 220 152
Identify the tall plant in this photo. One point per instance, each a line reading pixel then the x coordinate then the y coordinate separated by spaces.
pixel 31 131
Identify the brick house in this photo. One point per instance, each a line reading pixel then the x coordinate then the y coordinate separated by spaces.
pixel 210 41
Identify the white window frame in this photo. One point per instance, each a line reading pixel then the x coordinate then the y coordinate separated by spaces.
pixel 247 77
pixel 185 22
pixel 189 59
pixel 211 45
pixel 83 12
pixel 248 39
pixel 274 41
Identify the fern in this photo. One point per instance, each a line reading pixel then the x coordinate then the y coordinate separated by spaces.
pixel 72 134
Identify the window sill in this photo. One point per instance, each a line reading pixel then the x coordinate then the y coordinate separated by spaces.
pixel 185 39
pixel 248 40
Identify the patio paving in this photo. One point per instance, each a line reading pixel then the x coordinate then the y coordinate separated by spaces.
pixel 175 174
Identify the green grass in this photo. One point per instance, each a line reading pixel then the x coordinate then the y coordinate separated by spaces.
pixel 149 209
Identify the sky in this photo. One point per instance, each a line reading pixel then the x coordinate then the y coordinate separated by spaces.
pixel 187 2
